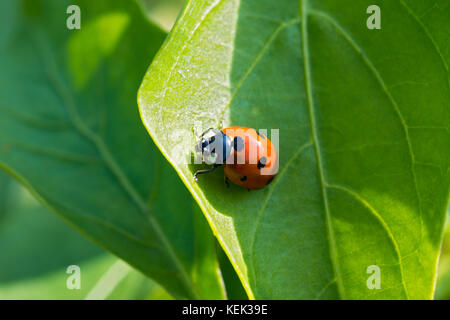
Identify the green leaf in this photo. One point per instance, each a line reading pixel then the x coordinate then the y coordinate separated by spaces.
pixel 70 132
pixel 30 230
pixel 22 276
pixel 364 139
pixel 130 285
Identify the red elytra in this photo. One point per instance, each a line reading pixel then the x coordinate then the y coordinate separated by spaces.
pixel 250 158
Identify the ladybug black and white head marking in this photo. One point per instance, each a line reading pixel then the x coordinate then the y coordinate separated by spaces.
pixel 215 146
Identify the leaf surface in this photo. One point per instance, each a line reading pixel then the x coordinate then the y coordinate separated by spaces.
pixel 364 144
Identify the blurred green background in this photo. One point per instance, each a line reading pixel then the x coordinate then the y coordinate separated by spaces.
pixel 37 248
pixel 163 12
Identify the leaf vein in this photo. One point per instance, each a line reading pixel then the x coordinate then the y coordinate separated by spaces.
pixel 381 82
pixel 383 223
pixel 324 289
pixel 429 36
pixel 269 195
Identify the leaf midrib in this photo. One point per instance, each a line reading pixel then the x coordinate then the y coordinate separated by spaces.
pixel 309 100
pixel 310 103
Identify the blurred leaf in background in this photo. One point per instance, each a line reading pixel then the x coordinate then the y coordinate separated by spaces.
pixel 37 248
pixel 33 242
pixel 163 12
pixel 70 131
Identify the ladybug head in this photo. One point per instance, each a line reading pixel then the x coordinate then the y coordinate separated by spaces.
pixel 215 146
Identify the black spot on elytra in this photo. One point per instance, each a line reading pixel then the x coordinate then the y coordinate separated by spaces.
pixel 262 163
pixel 244 178
pixel 238 143
pixel 260 134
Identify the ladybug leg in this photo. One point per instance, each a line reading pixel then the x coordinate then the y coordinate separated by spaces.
pixel 227 182
pixel 205 171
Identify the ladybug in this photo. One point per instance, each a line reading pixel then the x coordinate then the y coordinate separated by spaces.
pixel 250 158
